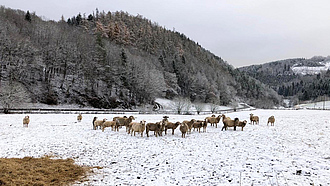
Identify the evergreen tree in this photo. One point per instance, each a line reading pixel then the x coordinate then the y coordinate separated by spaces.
pixel 28 16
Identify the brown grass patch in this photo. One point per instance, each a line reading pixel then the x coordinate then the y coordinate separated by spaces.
pixel 40 171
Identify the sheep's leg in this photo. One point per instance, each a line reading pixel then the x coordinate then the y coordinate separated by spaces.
pixel 172 131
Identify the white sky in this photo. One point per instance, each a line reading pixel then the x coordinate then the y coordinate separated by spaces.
pixel 242 32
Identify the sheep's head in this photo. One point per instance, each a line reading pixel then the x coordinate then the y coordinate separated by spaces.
pixel 131 118
pixel 244 123
pixel 177 123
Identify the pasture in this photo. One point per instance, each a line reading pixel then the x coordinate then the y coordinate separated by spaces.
pixel 296 151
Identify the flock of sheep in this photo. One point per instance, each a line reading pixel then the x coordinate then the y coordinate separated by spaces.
pixel 159 127
pixel 162 126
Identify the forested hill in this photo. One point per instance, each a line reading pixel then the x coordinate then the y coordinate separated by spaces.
pixel 111 60
pixel 298 79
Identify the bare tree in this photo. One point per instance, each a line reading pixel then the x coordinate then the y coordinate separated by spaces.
pixel 199 107
pixel 180 104
pixel 12 95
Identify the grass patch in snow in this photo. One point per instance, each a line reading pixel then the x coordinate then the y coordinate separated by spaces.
pixel 40 171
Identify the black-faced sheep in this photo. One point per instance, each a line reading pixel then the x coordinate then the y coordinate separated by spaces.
pixel 198 125
pixel 26 121
pixel 213 120
pixel 183 128
pixel 254 119
pixel 79 118
pixel 271 120
pixel 122 121
pixel 230 123
pixel 170 125
pixel 106 124
pixel 156 127
pixel 189 123
pixel 98 123
pixel 138 127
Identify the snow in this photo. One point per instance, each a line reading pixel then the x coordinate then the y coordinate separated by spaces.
pixel 305 70
pixel 315 105
pixel 259 155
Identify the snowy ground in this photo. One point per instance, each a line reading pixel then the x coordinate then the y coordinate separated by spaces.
pixel 259 155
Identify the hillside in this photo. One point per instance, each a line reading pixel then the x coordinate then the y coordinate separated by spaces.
pixel 297 79
pixel 110 60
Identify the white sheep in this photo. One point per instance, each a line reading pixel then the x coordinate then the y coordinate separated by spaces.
pixel 138 127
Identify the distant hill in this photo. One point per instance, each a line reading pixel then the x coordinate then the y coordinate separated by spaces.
pixel 115 60
pixel 297 79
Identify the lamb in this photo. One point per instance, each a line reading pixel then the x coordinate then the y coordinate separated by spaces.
pixel 26 121
pixel 79 118
pixel 271 120
pixel 170 125
pixel 230 123
pixel 156 127
pixel 254 119
pixel 106 124
pixel 183 128
pixel 138 127
pixel 98 123
pixel 198 125
pixel 213 120
pixel 189 123
pixel 122 121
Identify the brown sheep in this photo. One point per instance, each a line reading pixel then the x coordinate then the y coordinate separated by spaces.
pixel 115 118
pixel 271 120
pixel 198 125
pixel 183 128
pixel 26 121
pixel 122 121
pixel 98 123
pixel 138 127
pixel 79 118
pixel 230 123
pixel 106 124
pixel 156 127
pixel 254 119
pixel 213 120
pixel 163 124
pixel 189 123
pixel 242 124
pixel 170 125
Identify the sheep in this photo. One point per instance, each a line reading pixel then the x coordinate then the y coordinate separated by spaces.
pixel 242 124
pixel 271 120
pixel 230 123
pixel 106 124
pixel 122 121
pixel 163 124
pixel 198 125
pixel 26 121
pixel 183 128
pixel 98 123
pixel 189 123
pixel 79 118
pixel 170 125
pixel 156 127
pixel 213 120
pixel 254 119
pixel 138 127
pixel 115 118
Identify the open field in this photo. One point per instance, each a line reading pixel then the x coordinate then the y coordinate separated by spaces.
pixel 296 151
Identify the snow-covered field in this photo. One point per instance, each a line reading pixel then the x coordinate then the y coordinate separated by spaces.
pixel 259 155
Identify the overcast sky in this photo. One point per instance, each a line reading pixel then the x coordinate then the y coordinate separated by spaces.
pixel 242 32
